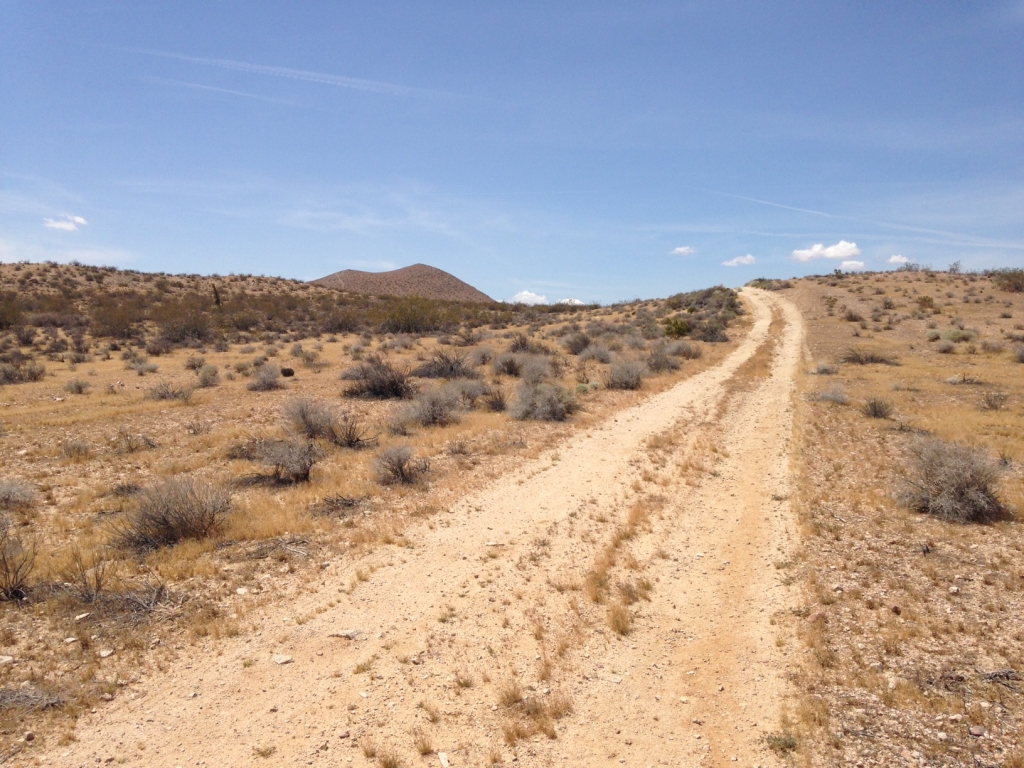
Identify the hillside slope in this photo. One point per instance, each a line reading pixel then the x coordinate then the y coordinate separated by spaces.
pixel 416 280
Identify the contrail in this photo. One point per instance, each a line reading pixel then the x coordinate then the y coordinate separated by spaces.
pixel 341 81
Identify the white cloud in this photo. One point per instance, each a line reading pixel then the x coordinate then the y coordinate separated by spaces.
pixel 571 302
pixel 851 265
pixel 898 259
pixel 65 223
pixel 739 260
pixel 529 297
pixel 841 250
pixel 683 250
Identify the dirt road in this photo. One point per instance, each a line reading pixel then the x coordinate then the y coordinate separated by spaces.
pixel 607 604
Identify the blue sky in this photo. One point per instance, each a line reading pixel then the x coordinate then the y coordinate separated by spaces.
pixel 595 150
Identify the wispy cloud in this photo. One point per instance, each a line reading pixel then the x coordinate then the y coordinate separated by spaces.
pixel 852 265
pixel 214 89
pixel 841 250
pixel 684 250
pixel 529 297
pixel 65 223
pixel 740 261
pixel 324 78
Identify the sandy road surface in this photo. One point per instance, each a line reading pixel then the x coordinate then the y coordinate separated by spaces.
pixel 490 602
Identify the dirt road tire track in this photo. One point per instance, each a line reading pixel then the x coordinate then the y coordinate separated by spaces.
pixel 502 568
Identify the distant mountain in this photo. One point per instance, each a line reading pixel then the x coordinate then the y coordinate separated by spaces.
pixel 417 280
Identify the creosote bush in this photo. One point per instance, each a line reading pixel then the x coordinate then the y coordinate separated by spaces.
pixel 17 562
pixel 207 376
pixel 856 356
pixel 626 374
pixel 953 482
pixel 77 386
pixel 445 364
pixel 435 408
pixel 15 494
pixel 165 391
pixel 877 408
pixel 172 511
pixel 543 402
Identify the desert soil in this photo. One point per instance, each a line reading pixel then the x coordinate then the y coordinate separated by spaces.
pixel 490 600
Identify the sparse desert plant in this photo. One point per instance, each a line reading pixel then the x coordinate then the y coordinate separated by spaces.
pixel 14 494
pixel 313 419
pixel 376 378
pixel 20 374
pixel 17 562
pixel 620 619
pixel 598 352
pixel 435 408
pixel 576 343
pixel 131 442
pixel 877 408
pixel 826 369
pixel 398 464
pixel 508 364
pixel 1018 354
pixel 268 377
pixel 174 510
pixel 659 361
pixel 684 349
pixel 543 402
pixel 76 450
pixel 856 356
pixel 207 376
pixel 945 347
pixel 952 482
pixel 351 432
pixel 1011 280
pixel 994 400
pixel 833 394
pixel 991 347
pixel 496 399
pixel 85 575
pixel 445 364
pixel 290 460
pixel 166 391
pixel 626 374
pixel 194 362
pixel 536 369
pixel 77 386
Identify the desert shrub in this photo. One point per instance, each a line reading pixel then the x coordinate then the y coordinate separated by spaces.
pixel 85 575
pixel 521 343
pixel 597 352
pixel 76 450
pixel 991 347
pixel 945 347
pixel 952 482
pixel 535 369
pixel 445 364
pixel 290 460
pixel 677 327
pixel 1018 354
pixel 853 317
pixel 268 377
pixel 17 562
pixel 960 335
pixel 626 374
pixel 130 442
pixel 21 374
pixel 576 343
pixel 1009 279
pixel 824 369
pixel 165 391
pixel 172 511
pixel 350 432
pixel 469 392
pixel 194 362
pixel 832 395
pixel 435 408
pixel 508 364
pixel 207 376
pixel 659 361
pixel 933 335
pixel 77 386
pixel 397 464
pixel 313 419
pixel 684 349
pixel 543 402
pixel 856 356
pixel 496 399
pixel 994 401
pixel 481 356
pixel 877 408
pixel 15 494
pixel 376 378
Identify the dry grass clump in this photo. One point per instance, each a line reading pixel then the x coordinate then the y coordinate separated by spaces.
pixel 994 401
pixel 833 394
pixel 856 356
pixel 575 343
pixel 268 378
pixel 317 420
pixel 397 464
pixel 877 408
pixel 508 364
pixel 598 352
pixel 177 509
pixel 626 374
pixel 434 408
pixel 207 376
pixel 76 450
pixel 17 562
pixel 543 402
pixel 291 460
pixel 21 374
pixel 953 482
pixel 77 386
pixel 377 379
pixel 130 442
pixel 659 361
pixel 620 619
pixel 166 391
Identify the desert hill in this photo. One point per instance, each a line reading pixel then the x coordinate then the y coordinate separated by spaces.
pixel 417 280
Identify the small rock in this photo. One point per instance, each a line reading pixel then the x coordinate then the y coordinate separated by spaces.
pixel 280 658
pixel 81 616
pixel 943 735
pixel 614 679
pixel 106 697
pixel 977 731
pixel 242 591
pixel 897 610
pixel 29 736
pixel 954 590
pixel 5 660
pixel 721 688
pixel 443 758
pixel 273 709
pixel 106 653
pixel 817 617
pixel 70 640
